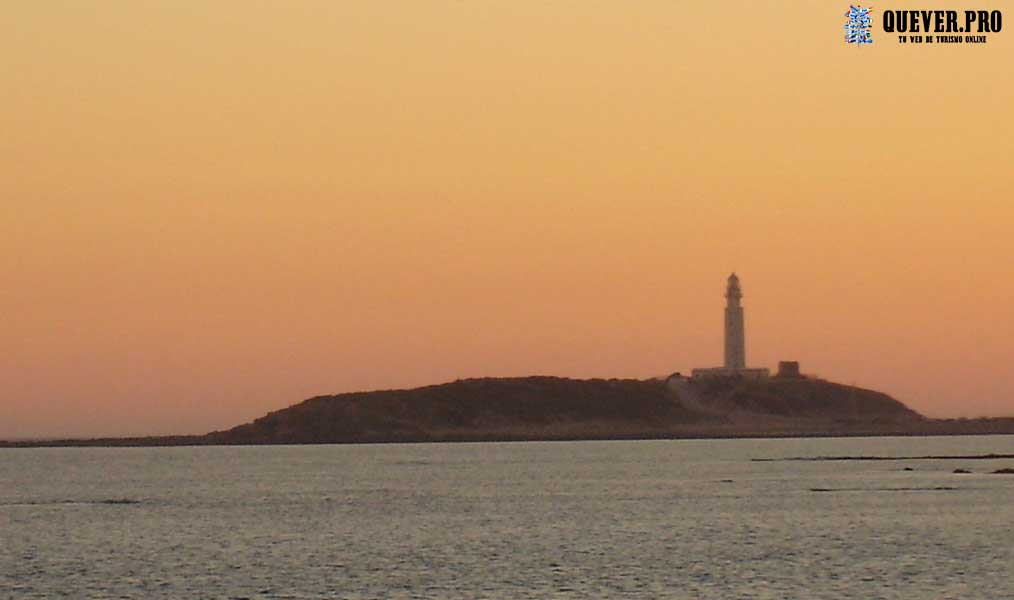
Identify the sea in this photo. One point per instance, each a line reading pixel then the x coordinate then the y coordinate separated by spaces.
pixel 608 519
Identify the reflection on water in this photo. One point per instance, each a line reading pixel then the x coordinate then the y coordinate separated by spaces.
pixel 514 520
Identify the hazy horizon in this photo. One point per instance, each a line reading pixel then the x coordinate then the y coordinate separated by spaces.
pixel 212 211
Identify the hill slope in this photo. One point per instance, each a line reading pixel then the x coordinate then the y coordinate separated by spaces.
pixel 557 408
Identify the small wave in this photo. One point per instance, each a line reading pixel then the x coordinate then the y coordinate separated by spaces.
pixel 874 458
pixel 940 488
pixel 70 502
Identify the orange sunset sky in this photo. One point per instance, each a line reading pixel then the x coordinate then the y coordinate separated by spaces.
pixel 210 210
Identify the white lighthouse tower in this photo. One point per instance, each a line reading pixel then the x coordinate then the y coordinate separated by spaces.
pixel 735 342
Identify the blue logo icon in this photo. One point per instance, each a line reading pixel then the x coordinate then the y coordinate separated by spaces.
pixel 857 25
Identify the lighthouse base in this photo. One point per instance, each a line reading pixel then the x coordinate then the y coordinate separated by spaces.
pixel 728 372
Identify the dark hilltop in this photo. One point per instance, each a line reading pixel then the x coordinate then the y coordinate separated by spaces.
pixel 553 408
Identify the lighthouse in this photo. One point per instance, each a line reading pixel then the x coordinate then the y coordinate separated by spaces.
pixel 735 343
pixel 735 340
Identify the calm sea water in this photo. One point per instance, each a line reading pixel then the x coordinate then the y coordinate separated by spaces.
pixel 651 519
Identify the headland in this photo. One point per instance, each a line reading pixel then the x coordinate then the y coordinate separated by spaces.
pixel 555 408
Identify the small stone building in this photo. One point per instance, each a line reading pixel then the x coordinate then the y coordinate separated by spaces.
pixel 788 369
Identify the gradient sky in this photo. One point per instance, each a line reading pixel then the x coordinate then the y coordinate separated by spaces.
pixel 210 210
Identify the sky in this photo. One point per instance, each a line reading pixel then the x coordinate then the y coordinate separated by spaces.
pixel 211 210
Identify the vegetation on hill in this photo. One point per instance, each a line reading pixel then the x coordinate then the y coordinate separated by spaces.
pixel 806 398
pixel 558 408
pixel 518 408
